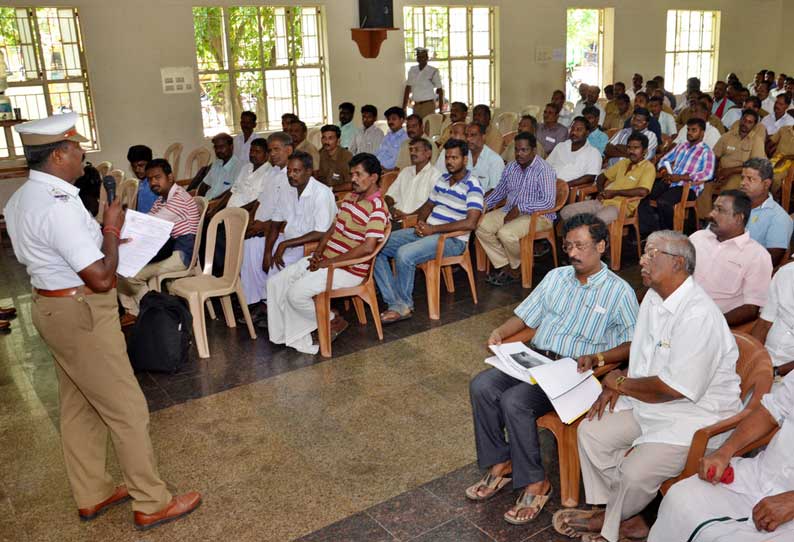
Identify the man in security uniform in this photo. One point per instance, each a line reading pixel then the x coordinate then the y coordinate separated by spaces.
pixel 72 267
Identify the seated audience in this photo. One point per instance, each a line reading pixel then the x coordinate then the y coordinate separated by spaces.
pixel 175 205
pixel 528 124
pixel 665 119
pixel 485 165
pixel 769 224
pixel 590 99
pixel 681 377
pixel 298 132
pixel 390 146
pixel 737 269
pixel 721 101
pixel 735 113
pixel 550 132
pixel 597 138
pixel 89 185
pixel 575 160
pixel 457 114
pixel 774 325
pixel 621 113
pixel 455 204
pixel 618 89
pixel 616 148
pixel 251 179
pixel 223 171
pixel 369 137
pixel 758 505
pixel 286 120
pixel 636 86
pixel 565 116
pixel 641 102
pixel 242 141
pixel 767 100
pixel 334 168
pixel 139 156
pixel 528 184
pixel 710 135
pixel 412 187
pixel 346 126
pixel 413 127
pixel 691 161
pixel 779 117
pixel 359 226
pixel 456 131
pixel 630 177
pixel 503 404
pixel 781 151
pixel 493 137
pixel 667 94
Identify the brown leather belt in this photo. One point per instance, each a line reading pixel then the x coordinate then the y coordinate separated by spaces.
pixel 548 353
pixel 69 292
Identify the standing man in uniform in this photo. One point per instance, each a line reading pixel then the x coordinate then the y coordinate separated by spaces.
pixel 422 85
pixel 72 268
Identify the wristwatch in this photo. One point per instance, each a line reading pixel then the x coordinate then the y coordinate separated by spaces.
pixel 600 358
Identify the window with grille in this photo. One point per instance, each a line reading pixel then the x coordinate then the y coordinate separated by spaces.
pixel 45 67
pixel 460 43
pixel 265 59
pixel 692 48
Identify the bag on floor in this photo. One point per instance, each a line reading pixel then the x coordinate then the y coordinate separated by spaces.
pixel 162 334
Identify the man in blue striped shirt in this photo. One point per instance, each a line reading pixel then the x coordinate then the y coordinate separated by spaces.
pixel 583 311
pixel 528 184
pixel 455 204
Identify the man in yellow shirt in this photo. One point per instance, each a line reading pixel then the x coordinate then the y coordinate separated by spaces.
pixel 630 177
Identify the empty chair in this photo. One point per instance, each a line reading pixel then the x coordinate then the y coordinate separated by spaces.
pixel 197 290
pixel 193 269
pixel 173 153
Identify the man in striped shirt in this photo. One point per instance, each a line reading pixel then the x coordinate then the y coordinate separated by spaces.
pixel 455 204
pixel 691 161
pixel 359 226
pixel 583 311
pixel 174 205
pixel 528 184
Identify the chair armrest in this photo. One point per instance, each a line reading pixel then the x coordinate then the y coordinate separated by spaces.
pixel 442 238
pixel 624 205
pixel 685 192
pixel 583 191
pixel 409 221
pixel 701 438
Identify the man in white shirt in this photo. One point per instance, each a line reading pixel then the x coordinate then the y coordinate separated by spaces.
pixel 767 100
pixel 242 141
pixel 565 116
pixel 636 86
pixel 779 116
pixel 223 171
pixel 413 185
pixel 681 377
pixel 735 113
pixel 575 160
pixel 711 136
pixel 775 327
pixel 369 137
pixel 250 181
pixel 666 120
pixel 591 98
pixel 485 164
pixel 422 85
pixel 757 505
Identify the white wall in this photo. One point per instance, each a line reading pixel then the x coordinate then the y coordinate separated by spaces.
pixel 127 42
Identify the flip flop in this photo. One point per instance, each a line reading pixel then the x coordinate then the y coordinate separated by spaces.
pixel 573 522
pixel 400 317
pixel 497 483
pixel 495 277
pixel 527 500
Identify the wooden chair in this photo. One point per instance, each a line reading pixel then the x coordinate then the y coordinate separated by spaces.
pixel 364 292
pixel 197 159
pixel 581 192
pixel 785 189
pixel 193 269
pixel 128 193
pixel 528 241
pixel 386 180
pixel 506 122
pixel 680 208
pixel 754 368
pixel 567 447
pixel 432 124
pixel 104 168
pixel 198 289
pixel 619 228
pixel 173 153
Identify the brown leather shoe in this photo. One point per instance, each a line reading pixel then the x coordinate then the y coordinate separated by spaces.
pixel 119 496
pixel 179 506
pixel 7 313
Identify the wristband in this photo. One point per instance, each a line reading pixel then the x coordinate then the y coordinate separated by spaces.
pixel 113 231
pixel 618 381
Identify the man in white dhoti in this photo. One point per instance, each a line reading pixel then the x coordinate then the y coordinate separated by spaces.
pixel 758 506
pixel 681 377
pixel 359 226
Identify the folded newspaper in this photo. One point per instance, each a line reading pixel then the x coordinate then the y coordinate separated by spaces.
pixel 571 393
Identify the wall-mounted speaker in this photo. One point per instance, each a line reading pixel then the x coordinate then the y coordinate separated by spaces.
pixel 375 14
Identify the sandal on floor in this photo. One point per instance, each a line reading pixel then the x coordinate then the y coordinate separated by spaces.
pixel 396 318
pixel 573 522
pixel 490 481
pixel 495 277
pixel 527 500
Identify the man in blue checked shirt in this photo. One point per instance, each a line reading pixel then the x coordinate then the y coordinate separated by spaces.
pixel 528 184
pixel 583 311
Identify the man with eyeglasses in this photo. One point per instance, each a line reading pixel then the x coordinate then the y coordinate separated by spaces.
pixel 739 269
pixel 583 311
pixel 681 377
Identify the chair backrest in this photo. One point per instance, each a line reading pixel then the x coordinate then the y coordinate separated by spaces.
pixel 754 368
pixel 235 220
pixel 506 122
pixel 383 125
pixel 508 138
pixel 197 159
pixel 432 124
pixel 119 175
pixel 173 153
pixel 562 195
pixel 314 136
pixel 378 248
pixel 201 202
pixel 128 192
pixel 386 181
pixel 531 110
pixel 104 168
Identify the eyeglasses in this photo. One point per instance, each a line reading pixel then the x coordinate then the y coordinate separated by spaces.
pixel 652 252
pixel 568 247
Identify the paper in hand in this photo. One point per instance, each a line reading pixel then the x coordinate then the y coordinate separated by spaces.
pixel 147 236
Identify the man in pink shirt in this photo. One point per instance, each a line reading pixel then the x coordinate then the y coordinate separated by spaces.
pixel 734 269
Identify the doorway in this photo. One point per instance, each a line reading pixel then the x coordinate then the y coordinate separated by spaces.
pixel 588 49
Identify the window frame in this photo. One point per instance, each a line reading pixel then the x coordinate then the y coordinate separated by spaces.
pixel 716 20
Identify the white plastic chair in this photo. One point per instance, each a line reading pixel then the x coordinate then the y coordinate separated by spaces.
pixel 193 269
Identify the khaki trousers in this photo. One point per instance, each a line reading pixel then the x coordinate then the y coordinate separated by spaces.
pixel 626 479
pixel 607 213
pixel 502 241
pixel 99 395
pixel 131 290
pixel 425 108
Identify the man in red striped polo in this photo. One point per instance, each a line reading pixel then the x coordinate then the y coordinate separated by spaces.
pixel 359 225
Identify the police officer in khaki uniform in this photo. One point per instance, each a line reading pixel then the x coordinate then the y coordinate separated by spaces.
pixel 72 268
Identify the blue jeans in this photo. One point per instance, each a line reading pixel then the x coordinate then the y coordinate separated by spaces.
pixel 408 250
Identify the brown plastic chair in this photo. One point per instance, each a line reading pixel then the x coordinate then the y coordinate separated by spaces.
pixel 680 208
pixel 785 189
pixel 173 153
pixel 565 434
pixel 528 241
pixel 193 269
pixel 197 159
pixel 128 193
pixel 619 228
pixel 197 290
pixel 754 368
pixel 386 180
pixel 581 192
pixel 364 292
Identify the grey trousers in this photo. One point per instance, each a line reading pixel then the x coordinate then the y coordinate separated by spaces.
pixel 499 402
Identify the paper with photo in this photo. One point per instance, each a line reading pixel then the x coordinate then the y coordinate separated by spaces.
pixel 574 403
pixel 147 235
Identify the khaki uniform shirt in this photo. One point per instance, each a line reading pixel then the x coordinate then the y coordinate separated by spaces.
pixel 732 150
pixel 337 164
pixel 615 120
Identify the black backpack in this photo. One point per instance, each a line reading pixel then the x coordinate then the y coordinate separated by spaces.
pixel 162 335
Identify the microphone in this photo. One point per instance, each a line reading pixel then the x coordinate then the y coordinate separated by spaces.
pixel 110 187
